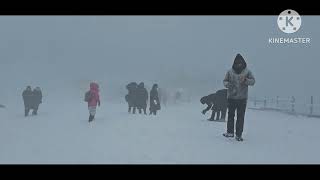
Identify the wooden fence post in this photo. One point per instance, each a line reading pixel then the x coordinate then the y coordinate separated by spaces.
pixel 311 105
pixel 292 103
pixel 255 101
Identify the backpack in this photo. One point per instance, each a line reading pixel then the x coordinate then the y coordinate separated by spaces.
pixel 127 98
pixel 87 96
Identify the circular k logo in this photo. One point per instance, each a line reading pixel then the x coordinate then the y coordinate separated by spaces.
pixel 289 21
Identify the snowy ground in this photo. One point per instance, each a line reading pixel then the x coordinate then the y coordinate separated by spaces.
pixel 179 134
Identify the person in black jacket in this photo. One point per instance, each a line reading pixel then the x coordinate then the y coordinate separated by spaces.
pixel 154 100
pixel 27 96
pixel 131 96
pixel 221 104
pixel 237 80
pixel 209 101
pixel 36 100
pixel 217 102
pixel 142 98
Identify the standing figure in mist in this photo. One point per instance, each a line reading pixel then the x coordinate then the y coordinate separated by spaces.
pixel 27 100
pixel 177 96
pixel 163 96
pixel 237 80
pixel 36 100
pixel 142 98
pixel 93 99
pixel 154 100
pixel 131 96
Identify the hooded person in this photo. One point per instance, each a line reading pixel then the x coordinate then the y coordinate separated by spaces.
pixel 131 96
pixel 27 100
pixel 154 100
pixel 142 98
pixel 93 100
pixel 237 80
pixel 36 100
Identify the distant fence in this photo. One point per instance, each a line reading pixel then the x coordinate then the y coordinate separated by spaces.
pixel 287 105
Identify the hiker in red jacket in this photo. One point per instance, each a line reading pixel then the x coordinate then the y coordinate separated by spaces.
pixel 93 99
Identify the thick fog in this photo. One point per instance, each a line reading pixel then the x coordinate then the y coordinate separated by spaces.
pixel 61 54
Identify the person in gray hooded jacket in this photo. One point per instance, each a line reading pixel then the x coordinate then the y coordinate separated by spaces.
pixel 237 80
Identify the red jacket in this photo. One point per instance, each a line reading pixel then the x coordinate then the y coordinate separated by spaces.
pixel 95 99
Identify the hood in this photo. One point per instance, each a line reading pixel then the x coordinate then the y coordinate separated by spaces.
pixel 203 99
pixel 37 89
pixel 239 59
pixel 155 86
pixel 28 88
pixel 94 86
pixel 141 85
pixel 132 85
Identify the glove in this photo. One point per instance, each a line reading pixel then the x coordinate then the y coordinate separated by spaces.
pixel 243 79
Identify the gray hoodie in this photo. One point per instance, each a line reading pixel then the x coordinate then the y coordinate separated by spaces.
pixel 236 89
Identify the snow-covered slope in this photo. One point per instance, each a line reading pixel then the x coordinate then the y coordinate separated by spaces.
pixel 179 134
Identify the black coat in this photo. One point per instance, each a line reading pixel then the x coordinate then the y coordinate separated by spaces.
pixel 27 96
pixel 142 96
pixel 221 99
pixel 131 97
pixel 37 98
pixel 216 101
pixel 154 100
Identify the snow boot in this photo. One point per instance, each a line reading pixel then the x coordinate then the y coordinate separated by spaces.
pixel 238 138
pixel 228 135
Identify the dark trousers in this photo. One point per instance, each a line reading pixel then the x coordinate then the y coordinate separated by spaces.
pixel 26 111
pixel 219 112
pixel 223 113
pixel 35 110
pixel 91 117
pixel 144 110
pixel 131 105
pixel 213 114
pixel 154 112
pixel 129 109
pixel 240 107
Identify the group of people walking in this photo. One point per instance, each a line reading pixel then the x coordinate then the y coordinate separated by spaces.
pixel 138 96
pixel 31 99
